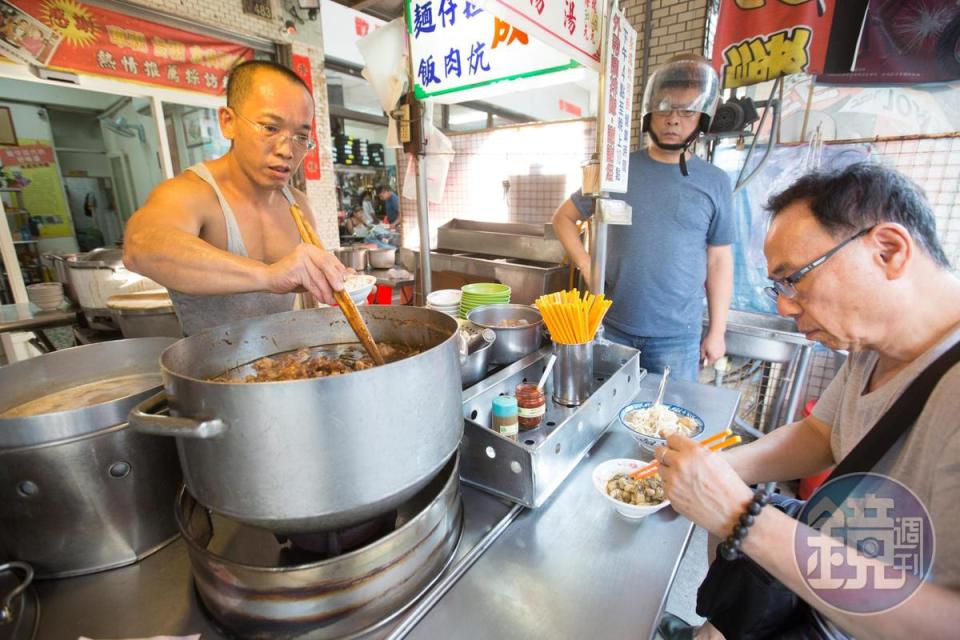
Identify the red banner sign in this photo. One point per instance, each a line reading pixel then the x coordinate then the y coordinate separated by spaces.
pixel 759 40
pixel 102 42
pixel 311 162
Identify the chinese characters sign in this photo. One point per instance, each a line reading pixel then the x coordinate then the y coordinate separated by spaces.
pixel 621 56
pixel 760 40
pixel 571 27
pixel 311 162
pixel 103 42
pixel 27 156
pixel 456 46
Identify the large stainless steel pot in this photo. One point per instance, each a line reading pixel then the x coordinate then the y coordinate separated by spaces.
pixel 308 455
pixel 146 314
pixel 99 274
pixel 79 491
pixel 59 264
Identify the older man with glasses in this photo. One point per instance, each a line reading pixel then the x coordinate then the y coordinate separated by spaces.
pixel 854 258
pixel 221 236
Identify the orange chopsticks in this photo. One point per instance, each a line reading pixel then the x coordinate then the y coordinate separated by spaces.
pixel 344 301
pixel 653 468
pixel 572 318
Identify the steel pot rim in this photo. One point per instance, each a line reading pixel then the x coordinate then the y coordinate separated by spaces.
pixel 57 426
pixel 506 306
pixel 354 375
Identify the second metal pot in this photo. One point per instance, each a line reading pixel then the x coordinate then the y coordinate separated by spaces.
pixel 512 342
pixel 352 257
pixel 382 258
pixel 323 453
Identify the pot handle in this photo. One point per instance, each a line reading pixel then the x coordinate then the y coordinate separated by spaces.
pixel 6 607
pixel 144 419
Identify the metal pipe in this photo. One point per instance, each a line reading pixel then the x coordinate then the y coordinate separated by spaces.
pixel 598 228
pixel 423 223
pixel 803 364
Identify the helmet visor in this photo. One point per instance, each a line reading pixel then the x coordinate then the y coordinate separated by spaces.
pixel 685 87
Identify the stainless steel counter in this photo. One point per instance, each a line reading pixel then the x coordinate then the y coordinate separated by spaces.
pixel 574 568
pixel 571 569
pixel 28 317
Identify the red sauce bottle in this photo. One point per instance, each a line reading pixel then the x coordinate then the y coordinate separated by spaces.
pixel 532 405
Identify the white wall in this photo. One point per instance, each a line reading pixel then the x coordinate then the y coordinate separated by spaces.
pixel 144 163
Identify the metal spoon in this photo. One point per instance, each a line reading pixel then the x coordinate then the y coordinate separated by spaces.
pixel 546 371
pixel 663 385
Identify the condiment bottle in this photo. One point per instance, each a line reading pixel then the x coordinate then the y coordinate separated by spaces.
pixel 505 416
pixel 532 405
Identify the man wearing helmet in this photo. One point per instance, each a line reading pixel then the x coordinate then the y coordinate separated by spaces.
pixel 681 233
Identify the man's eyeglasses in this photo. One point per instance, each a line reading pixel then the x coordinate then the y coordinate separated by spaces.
pixel 787 286
pixel 683 113
pixel 274 134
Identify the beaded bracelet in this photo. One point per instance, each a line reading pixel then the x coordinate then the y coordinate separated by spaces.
pixel 730 548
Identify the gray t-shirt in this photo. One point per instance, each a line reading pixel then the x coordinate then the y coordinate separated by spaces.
pixel 927 460
pixel 657 266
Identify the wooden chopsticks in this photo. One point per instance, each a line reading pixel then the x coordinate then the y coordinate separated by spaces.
pixel 307 234
pixel 724 441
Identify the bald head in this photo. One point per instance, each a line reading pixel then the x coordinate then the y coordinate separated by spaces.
pixel 245 76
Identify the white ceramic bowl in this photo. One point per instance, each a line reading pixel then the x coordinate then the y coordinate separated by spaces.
pixel 445 298
pixel 606 470
pixel 46 295
pixel 359 287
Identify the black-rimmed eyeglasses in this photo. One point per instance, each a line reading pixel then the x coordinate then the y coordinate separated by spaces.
pixel 787 286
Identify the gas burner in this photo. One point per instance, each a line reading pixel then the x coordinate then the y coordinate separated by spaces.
pixel 310 547
pixel 253 583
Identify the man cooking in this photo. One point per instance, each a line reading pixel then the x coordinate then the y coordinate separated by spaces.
pixel 681 233
pixel 220 236
pixel 853 258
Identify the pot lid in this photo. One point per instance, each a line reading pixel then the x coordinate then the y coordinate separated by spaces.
pixel 151 300
pixel 98 259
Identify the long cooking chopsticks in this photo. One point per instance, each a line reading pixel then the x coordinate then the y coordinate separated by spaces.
pixel 345 302
pixel 716 442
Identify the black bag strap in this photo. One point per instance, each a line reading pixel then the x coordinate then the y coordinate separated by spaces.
pixel 899 418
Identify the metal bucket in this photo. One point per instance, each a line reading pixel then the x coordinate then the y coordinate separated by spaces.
pixel 317 454
pixel 246 585
pixel 79 491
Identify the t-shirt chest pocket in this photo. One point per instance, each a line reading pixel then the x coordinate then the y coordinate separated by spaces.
pixel 693 212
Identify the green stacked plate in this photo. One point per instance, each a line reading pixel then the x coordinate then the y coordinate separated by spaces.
pixel 481 294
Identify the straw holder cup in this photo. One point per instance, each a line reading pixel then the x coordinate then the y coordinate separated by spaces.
pixel 573 373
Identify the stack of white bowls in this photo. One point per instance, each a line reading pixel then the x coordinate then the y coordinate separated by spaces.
pixel 445 301
pixel 46 295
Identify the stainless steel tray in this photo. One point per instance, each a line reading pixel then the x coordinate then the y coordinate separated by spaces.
pixel 529 470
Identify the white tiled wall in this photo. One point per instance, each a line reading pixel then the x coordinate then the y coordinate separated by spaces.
pixel 515 174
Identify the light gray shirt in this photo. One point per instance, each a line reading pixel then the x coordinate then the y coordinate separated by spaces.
pixel 927 460
pixel 197 313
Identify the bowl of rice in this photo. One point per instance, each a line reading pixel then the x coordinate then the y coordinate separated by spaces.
pixel 650 425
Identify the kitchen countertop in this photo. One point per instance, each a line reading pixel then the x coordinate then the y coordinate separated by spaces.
pixel 573 568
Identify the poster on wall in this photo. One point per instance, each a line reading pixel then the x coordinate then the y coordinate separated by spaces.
pixel 32 167
pixel 311 162
pixel 910 41
pixel 106 43
pixel 760 40
pixel 621 57
pixel 458 47
pixel 24 38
